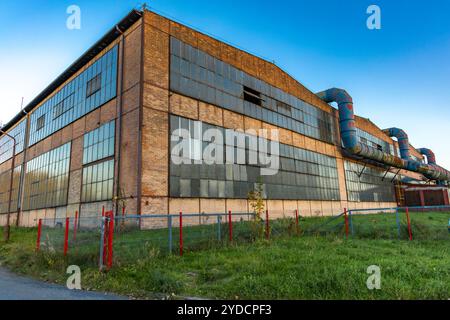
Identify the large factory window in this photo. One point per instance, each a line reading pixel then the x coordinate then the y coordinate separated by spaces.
pixel 89 90
pixel 99 143
pixel 302 174
pixel 6 143
pixel 5 181
pixel 98 182
pixel 47 179
pixel 98 161
pixel 367 184
pixel 199 75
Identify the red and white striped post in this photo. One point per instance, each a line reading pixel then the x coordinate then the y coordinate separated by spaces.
pixel 66 237
pixel 181 233
pixel 38 240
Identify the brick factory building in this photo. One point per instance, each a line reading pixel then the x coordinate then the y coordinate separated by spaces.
pixel 100 135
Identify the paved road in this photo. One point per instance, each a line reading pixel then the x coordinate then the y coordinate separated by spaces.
pixel 14 287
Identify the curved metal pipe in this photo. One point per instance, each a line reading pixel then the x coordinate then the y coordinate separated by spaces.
pixel 351 143
pixel 431 158
pixel 403 141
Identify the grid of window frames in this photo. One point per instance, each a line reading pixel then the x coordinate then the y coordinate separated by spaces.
pixel 196 74
pixel 374 142
pixel 92 88
pixel 5 179
pixel 367 184
pixel 417 159
pixel 303 174
pixel 47 179
pixel 6 143
pixel 98 173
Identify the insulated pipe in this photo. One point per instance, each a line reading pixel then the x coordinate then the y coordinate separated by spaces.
pixel 351 143
pixel 403 141
pixel 348 129
pixel 431 159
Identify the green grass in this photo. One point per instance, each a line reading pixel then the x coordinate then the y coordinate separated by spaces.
pixel 305 267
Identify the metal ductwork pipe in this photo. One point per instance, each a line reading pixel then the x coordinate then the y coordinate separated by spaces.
pixel 403 141
pixel 353 145
pixel 431 159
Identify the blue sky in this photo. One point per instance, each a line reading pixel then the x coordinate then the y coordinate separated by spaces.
pixel 398 76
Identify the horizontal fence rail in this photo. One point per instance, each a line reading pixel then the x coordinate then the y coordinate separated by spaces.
pixel 107 240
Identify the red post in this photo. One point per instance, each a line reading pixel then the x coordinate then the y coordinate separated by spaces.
pixel 103 211
pixel 38 240
pixel 346 222
pixel 267 225
pixel 409 224
pixel 123 211
pixel 296 222
pixel 110 239
pixel 105 241
pixel 181 233
pixel 230 226
pixel 66 237
pixel 75 226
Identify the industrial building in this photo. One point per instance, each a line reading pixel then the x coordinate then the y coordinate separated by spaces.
pixel 101 135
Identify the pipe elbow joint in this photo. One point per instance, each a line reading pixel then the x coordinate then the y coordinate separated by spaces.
pixel 431 158
pixel 335 95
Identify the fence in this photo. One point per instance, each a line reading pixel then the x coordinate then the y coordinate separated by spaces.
pixel 419 223
pixel 107 240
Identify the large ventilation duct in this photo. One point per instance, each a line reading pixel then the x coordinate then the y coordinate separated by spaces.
pixel 431 159
pixel 403 141
pixel 354 146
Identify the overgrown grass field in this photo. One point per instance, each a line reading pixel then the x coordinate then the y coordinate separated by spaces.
pixel 309 266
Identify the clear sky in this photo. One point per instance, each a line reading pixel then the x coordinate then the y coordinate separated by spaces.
pixel 398 76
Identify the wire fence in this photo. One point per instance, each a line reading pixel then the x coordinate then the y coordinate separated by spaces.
pixel 109 240
pixel 415 223
pixel 78 237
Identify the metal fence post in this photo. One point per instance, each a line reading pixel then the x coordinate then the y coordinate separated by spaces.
pixel 169 222
pixel 181 233
pixel 66 237
pixel 350 216
pixel 75 226
pixel 346 222
pixel 110 240
pixel 397 217
pixel 102 244
pixel 219 231
pixel 38 240
pixel 230 226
